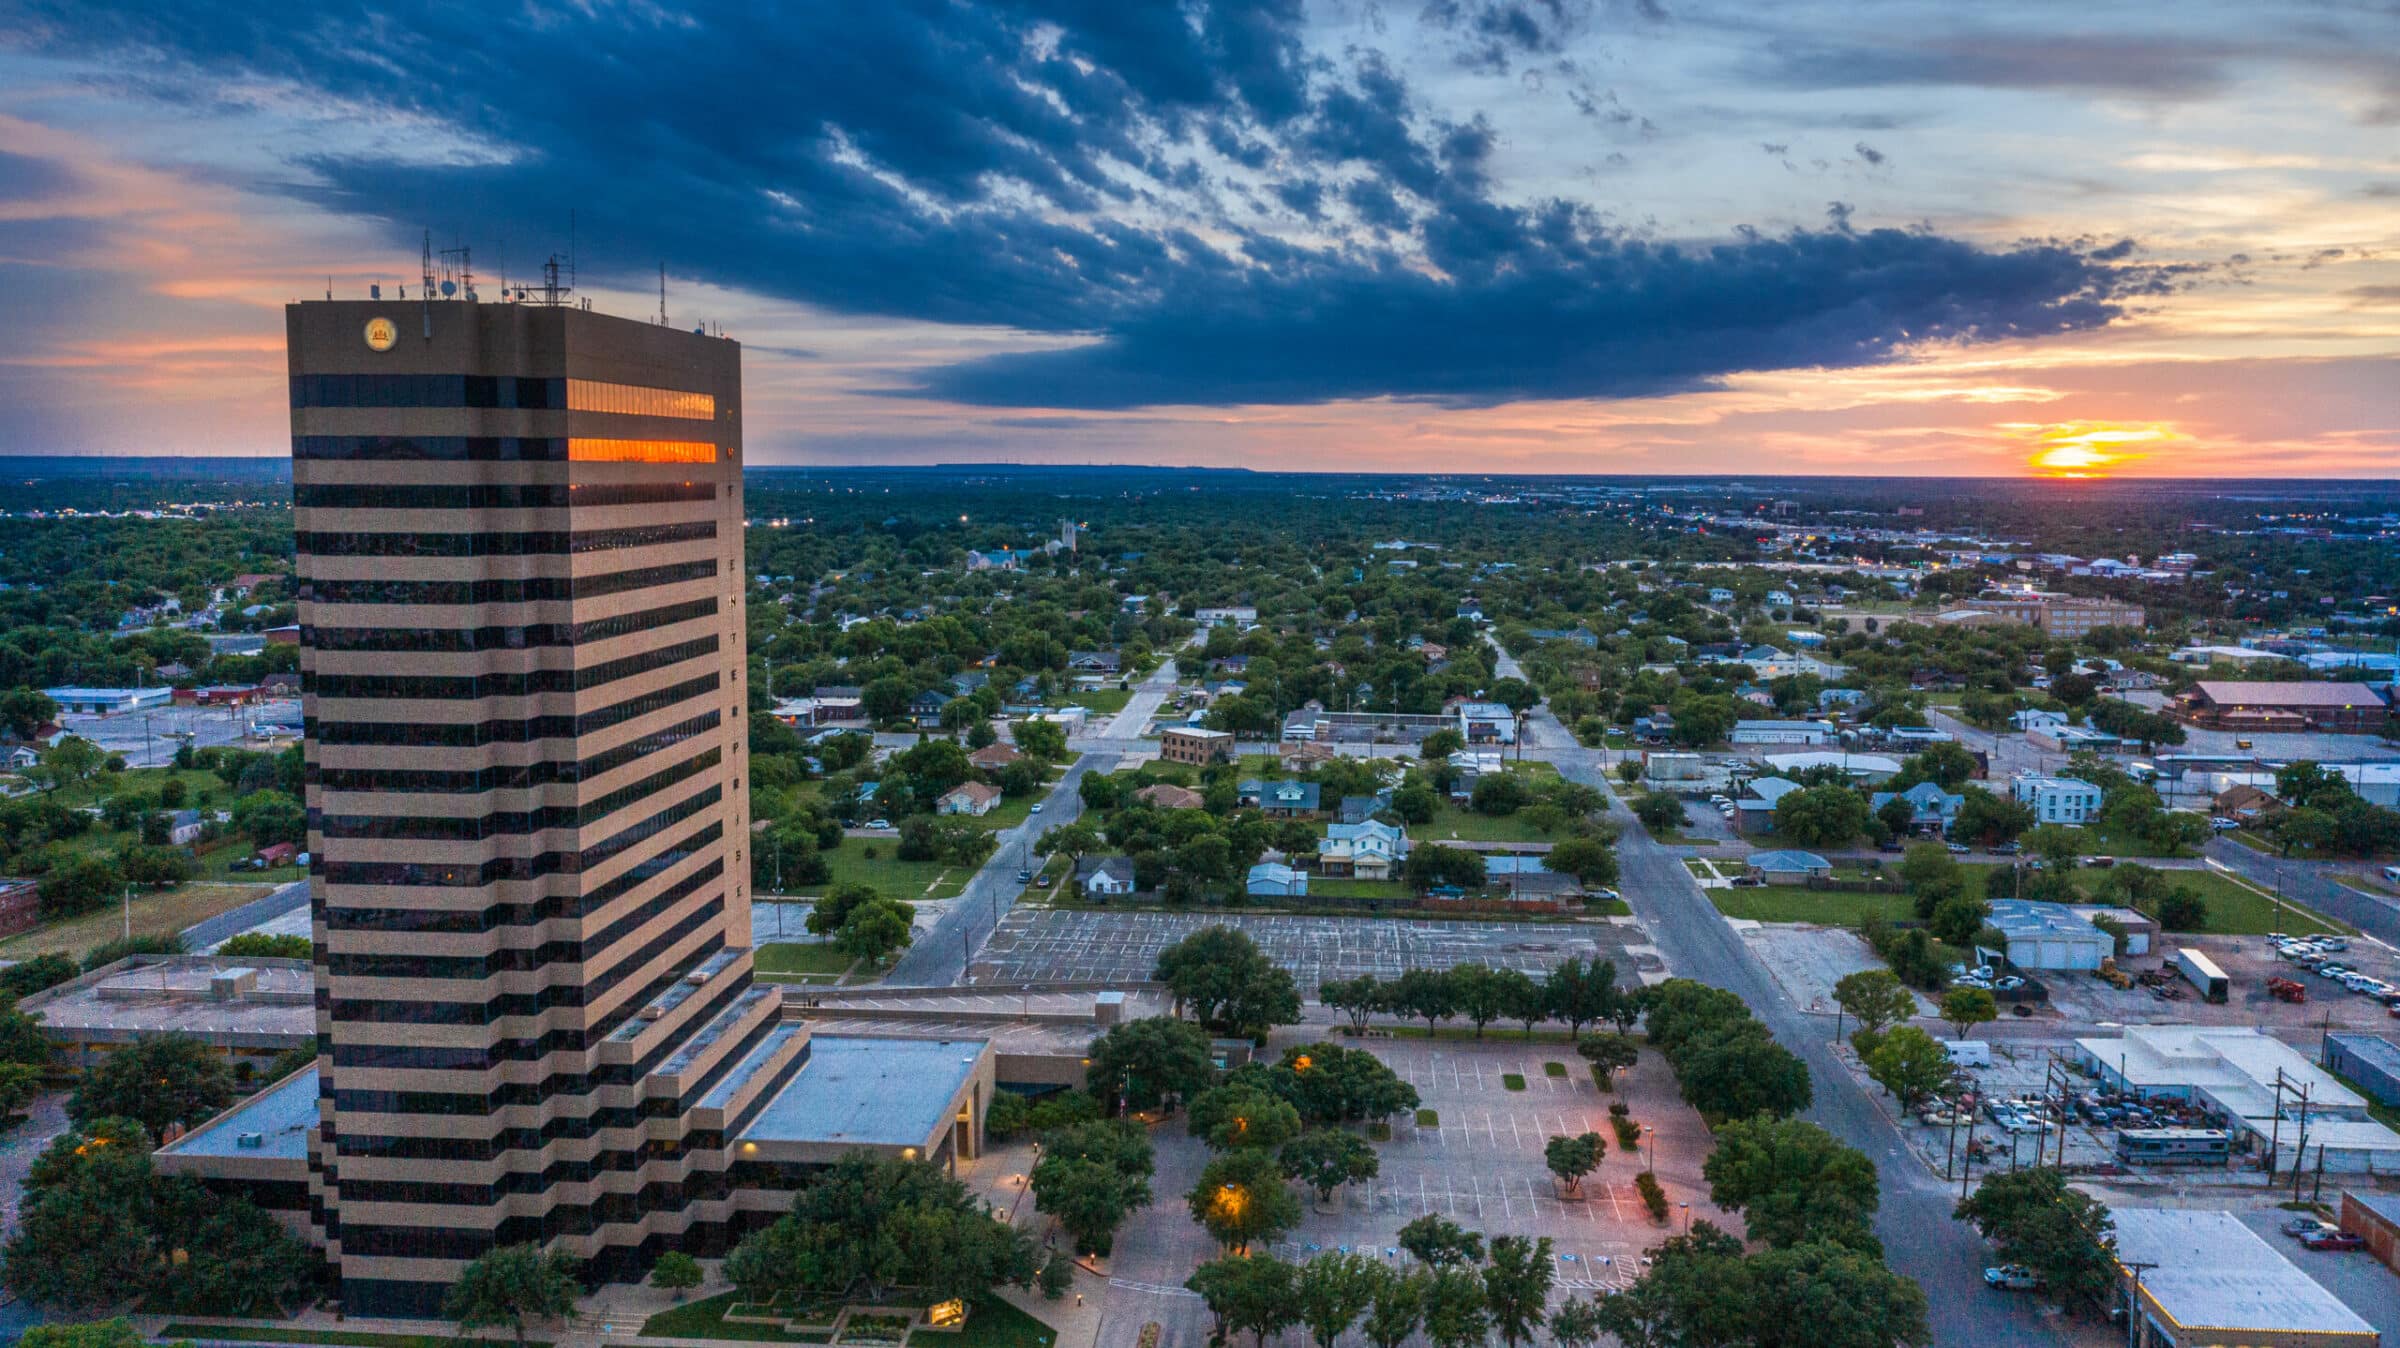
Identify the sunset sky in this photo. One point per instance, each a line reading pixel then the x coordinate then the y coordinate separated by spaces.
pixel 1618 236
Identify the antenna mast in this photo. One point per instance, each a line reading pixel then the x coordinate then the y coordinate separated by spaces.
pixel 425 295
pixel 662 294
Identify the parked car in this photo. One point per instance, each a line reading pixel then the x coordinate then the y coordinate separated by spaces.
pixel 1960 848
pixel 2012 1278
pixel 2306 1225
pixel 1037 808
pixel 2007 849
pixel 2332 1240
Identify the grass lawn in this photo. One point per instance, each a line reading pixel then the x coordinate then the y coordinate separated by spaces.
pixel 705 1319
pixel 1792 903
pixel 2236 909
pixel 1675 837
pixel 155 913
pixel 1451 823
pixel 1010 813
pixel 891 877
pixel 1426 1118
pixel 355 1338
pixel 1514 1081
pixel 1108 701
pixel 1607 907
pixel 196 786
pixel 1556 1069
pixel 803 958
pixel 993 1323
pixel 2254 841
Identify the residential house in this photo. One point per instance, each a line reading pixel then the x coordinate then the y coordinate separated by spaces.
pixel 1788 867
pixel 1829 699
pixel 1104 877
pixel 1241 616
pixel 183 827
pixel 1369 851
pixel 993 757
pixel 967 683
pixel 1718 594
pixel 1359 809
pixel 1270 879
pixel 1931 809
pixel 1095 662
pixel 1300 756
pixel 926 708
pixel 2058 800
pixel 20 757
pixel 1755 811
pixel 969 798
pixel 2246 804
pixel 2035 718
pixel 1279 800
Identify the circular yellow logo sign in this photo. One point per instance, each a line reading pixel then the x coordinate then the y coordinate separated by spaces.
pixel 381 334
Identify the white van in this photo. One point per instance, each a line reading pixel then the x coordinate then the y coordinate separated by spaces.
pixel 1968 1052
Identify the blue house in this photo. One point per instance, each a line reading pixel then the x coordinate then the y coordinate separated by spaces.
pixel 1932 810
pixel 1272 879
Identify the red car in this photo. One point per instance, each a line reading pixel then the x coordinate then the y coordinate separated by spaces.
pixel 2332 1240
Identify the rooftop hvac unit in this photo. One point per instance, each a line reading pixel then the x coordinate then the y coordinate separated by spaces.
pixel 653 1011
pixel 252 1141
pixel 696 977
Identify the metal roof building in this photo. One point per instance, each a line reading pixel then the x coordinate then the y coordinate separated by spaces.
pixel 2212 1281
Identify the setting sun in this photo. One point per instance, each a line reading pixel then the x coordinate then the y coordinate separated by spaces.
pixel 2088 448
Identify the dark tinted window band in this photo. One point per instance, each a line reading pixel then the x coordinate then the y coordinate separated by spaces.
pixel 526 914
pixel 531 589
pixel 536 543
pixel 494 495
pixel 475 734
pixel 428 390
pixel 518 777
pixel 528 636
pixel 498 869
pixel 431 448
pixel 467 687
pixel 509 823
pixel 471 967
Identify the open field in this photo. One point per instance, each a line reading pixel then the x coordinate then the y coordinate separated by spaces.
pixel 803 959
pixel 154 914
pixel 891 877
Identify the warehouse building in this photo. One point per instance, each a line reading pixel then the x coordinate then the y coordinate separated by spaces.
pixel 108 701
pixel 2283 705
pixel 2200 1279
pixel 2050 936
pixel 2235 1070
pixel 2369 1060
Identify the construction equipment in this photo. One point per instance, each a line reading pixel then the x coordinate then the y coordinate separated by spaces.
pixel 2285 990
pixel 2109 973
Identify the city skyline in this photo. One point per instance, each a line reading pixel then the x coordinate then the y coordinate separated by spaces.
pixel 1472 236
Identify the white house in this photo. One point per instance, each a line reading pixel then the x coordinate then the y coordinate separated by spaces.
pixel 2035 718
pixel 1105 877
pixel 1369 851
pixel 183 828
pixel 2058 800
pixel 969 798
pixel 1487 723
pixel 1242 616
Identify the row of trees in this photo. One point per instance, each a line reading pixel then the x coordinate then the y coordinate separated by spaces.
pixel 1726 1063
pixel 1573 993
pixel 1460 1298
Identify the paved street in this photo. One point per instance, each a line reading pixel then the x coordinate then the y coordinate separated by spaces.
pixel 1919 1237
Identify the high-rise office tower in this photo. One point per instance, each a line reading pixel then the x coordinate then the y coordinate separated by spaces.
pixel 520 545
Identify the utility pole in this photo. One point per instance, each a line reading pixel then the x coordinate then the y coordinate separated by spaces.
pixel 2300 1143
pixel 2133 1300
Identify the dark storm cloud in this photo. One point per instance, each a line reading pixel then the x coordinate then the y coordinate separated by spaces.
pixel 1584 317
pixel 1869 153
pixel 1032 163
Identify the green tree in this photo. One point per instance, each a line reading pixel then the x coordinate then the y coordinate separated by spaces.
pixel 238 1261
pixel 1423 994
pixel 1399 1307
pixel 827 914
pixel 1820 816
pixel 1045 740
pixel 69 762
pixel 85 1233
pixel 873 931
pixel 675 1272
pixel 1957 921
pixel 1875 998
pixel 1333 1290
pixel 1576 1324
pixel 1659 812
pixel 2033 1217
pixel 251 945
pixel 1258 1293
pixel 2182 909
pixel 1581 994
pixel 1516 1286
pixel 1589 860
pixel 1793 1182
pixel 1227 983
pixel 1479 994
pixel 1325 1159
pixel 20 1084
pixel 1572 1158
pixel 1357 998
pixel 1987 818
pixel 1933 877
pixel 156 1080
pixel 1143 1064
pixel 1090 1198
pixel 1965 1008
pixel 1241 1199
pixel 1742 1071
pixel 1909 1063
pixel 1234 1115
pixel 1455 1313
pixel 510 1286
pixel 1827 1296
pixel 1438 1241
pixel 1608 1054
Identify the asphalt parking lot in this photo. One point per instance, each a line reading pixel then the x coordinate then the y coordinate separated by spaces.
pixel 1050 946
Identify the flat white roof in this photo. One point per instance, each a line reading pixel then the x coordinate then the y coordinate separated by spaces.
pixel 2215 1273
pixel 2234 1064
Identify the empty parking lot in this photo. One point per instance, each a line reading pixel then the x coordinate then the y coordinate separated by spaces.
pixel 1042 946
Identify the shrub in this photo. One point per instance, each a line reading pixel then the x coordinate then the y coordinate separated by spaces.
pixel 1619 1108
pixel 1654 1197
pixel 1629 1133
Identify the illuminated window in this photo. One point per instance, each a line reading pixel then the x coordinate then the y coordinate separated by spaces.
pixel 591 395
pixel 642 451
